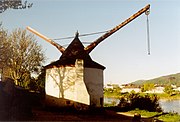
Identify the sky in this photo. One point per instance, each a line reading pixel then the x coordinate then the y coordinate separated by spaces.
pixel 124 54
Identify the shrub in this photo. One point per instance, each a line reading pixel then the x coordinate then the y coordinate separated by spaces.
pixel 146 102
pixel 168 89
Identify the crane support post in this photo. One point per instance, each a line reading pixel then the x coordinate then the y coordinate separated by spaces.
pixel 90 47
pixel 59 47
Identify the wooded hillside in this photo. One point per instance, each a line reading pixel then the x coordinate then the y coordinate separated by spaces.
pixel 173 79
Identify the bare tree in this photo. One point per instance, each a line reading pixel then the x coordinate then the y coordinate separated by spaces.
pixel 4 49
pixel 25 56
pixel 13 4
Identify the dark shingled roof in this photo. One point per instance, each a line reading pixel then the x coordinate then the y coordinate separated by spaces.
pixel 75 51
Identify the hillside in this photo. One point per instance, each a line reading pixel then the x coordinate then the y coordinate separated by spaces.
pixel 173 79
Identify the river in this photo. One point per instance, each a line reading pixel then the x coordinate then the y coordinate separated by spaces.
pixel 170 105
pixel 167 105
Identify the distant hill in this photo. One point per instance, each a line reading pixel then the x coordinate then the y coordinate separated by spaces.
pixel 173 79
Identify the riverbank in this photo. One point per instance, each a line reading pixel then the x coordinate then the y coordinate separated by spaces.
pixel 163 96
pixel 170 107
pixel 168 97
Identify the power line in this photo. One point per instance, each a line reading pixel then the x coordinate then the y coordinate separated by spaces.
pixel 87 34
pixel 65 45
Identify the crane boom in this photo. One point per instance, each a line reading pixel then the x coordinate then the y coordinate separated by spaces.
pixel 59 47
pixel 90 47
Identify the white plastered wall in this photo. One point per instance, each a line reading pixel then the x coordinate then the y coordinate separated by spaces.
pixel 67 82
pixel 94 81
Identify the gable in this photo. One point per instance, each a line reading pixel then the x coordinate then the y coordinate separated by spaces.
pixel 75 51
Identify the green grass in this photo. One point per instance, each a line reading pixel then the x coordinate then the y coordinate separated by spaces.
pixel 144 113
pixel 171 117
pixel 167 117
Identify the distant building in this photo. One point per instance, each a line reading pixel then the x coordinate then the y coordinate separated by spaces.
pixel 177 89
pixel 124 90
pixel 174 86
pixel 159 89
pixel 109 86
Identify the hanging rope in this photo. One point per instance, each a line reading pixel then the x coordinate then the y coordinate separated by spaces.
pixel 148 37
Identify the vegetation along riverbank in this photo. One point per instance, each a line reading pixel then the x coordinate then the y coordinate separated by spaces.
pixel 147 105
pixel 144 96
pixel 163 96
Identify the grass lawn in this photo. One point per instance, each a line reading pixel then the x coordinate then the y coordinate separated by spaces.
pixel 173 117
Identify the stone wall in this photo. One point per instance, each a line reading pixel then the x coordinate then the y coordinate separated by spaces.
pixel 15 103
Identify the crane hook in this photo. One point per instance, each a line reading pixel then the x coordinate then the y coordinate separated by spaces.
pixel 147 12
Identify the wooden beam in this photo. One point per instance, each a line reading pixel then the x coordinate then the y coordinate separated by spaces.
pixel 90 47
pixel 58 46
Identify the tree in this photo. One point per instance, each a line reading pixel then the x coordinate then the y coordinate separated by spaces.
pixel 4 47
pixel 147 87
pixel 168 89
pixel 117 89
pixel 41 80
pixel 13 4
pixel 24 57
pixel 171 80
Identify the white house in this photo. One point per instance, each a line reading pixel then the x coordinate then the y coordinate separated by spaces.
pixel 130 90
pixel 177 89
pixel 156 90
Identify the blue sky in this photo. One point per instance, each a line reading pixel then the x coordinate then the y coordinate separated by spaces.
pixel 124 54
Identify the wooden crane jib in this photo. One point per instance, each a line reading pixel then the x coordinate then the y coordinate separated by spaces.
pixel 90 47
pixel 58 46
